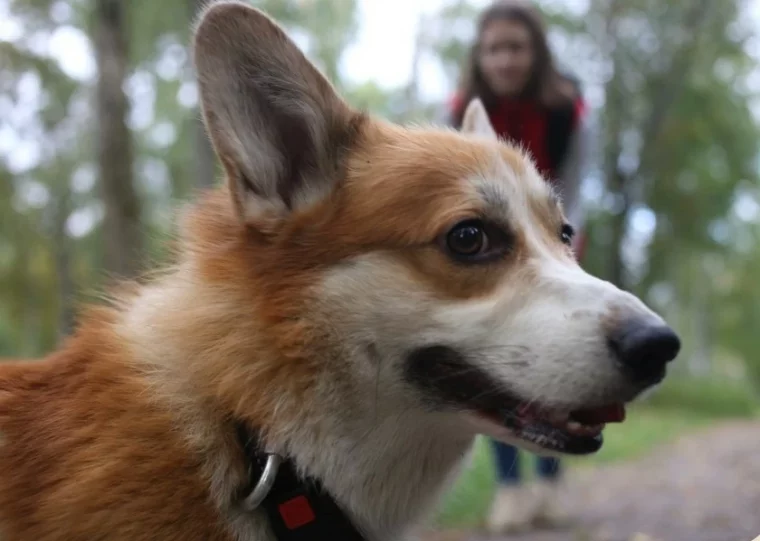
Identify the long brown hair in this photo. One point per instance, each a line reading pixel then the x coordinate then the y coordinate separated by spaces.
pixel 548 86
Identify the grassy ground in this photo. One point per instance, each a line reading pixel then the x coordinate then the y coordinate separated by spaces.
pixel 645 428
pixel 680 405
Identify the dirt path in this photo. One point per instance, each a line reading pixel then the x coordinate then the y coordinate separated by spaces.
pixel 705 487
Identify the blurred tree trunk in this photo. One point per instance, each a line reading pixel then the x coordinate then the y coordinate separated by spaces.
pixel 62 259
pixel 205 158
pixel 121 226
pixel 630 186
pixel 613 128
pixel 700 360
pixel 25 299
pixel 412 90
pixel 617 180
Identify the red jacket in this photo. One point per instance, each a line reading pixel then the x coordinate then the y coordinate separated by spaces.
pixel 544 133
pixel 526 123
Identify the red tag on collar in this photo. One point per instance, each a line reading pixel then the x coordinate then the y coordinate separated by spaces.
pixel 296 512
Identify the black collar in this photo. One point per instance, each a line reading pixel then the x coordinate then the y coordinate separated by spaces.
pixel 298 509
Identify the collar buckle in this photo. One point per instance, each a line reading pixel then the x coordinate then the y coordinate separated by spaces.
pixel 265 483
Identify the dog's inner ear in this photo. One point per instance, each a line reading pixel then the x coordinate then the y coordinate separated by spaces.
pixel 475 120
pixel 278 126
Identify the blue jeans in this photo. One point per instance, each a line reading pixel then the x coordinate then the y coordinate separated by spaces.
pixel 508 465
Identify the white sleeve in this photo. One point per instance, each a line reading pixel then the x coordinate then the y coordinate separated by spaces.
pixel 574 171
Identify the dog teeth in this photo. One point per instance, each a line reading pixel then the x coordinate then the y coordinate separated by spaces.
pixel 574 427
pixel 527 413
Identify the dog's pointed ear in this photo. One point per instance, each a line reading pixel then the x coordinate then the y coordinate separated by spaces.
pixel 277 125
pixel 476 120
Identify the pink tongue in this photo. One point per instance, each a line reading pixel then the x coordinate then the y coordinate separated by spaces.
pixel 614 413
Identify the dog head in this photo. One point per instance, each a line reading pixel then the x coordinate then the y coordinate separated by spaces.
pixel 426 268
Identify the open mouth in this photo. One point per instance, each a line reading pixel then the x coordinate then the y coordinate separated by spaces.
pixel 576 432
pixel 448 380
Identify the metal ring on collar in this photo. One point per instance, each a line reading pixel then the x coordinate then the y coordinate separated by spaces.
pixel 265 483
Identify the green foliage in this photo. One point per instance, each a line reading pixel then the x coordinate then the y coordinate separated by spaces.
pixel 675 109
pixel 692 166
pixel 161 88
pixel 643 430
pixel 451 34
pixel 707 397
pixel 467 504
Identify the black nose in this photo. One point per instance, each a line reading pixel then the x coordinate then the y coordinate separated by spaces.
pixel 644 349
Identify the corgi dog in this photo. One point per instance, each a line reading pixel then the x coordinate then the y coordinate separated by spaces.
pixel 353 306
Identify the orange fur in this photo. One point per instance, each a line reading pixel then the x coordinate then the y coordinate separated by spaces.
pixel 82 454
pixel 85 440
pixel 125 433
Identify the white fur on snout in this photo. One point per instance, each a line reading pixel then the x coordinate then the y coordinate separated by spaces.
pixel 585 292
pixel 550 341
pixel 541 333
pixel 545 337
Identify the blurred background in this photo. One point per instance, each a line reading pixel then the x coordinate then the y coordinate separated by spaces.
pixel 100 143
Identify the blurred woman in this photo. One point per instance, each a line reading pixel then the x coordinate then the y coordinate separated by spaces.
pixel 531 104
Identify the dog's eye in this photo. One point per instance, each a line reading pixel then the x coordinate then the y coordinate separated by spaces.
pixel 467 239
pixel 473 241
pixel 567 233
